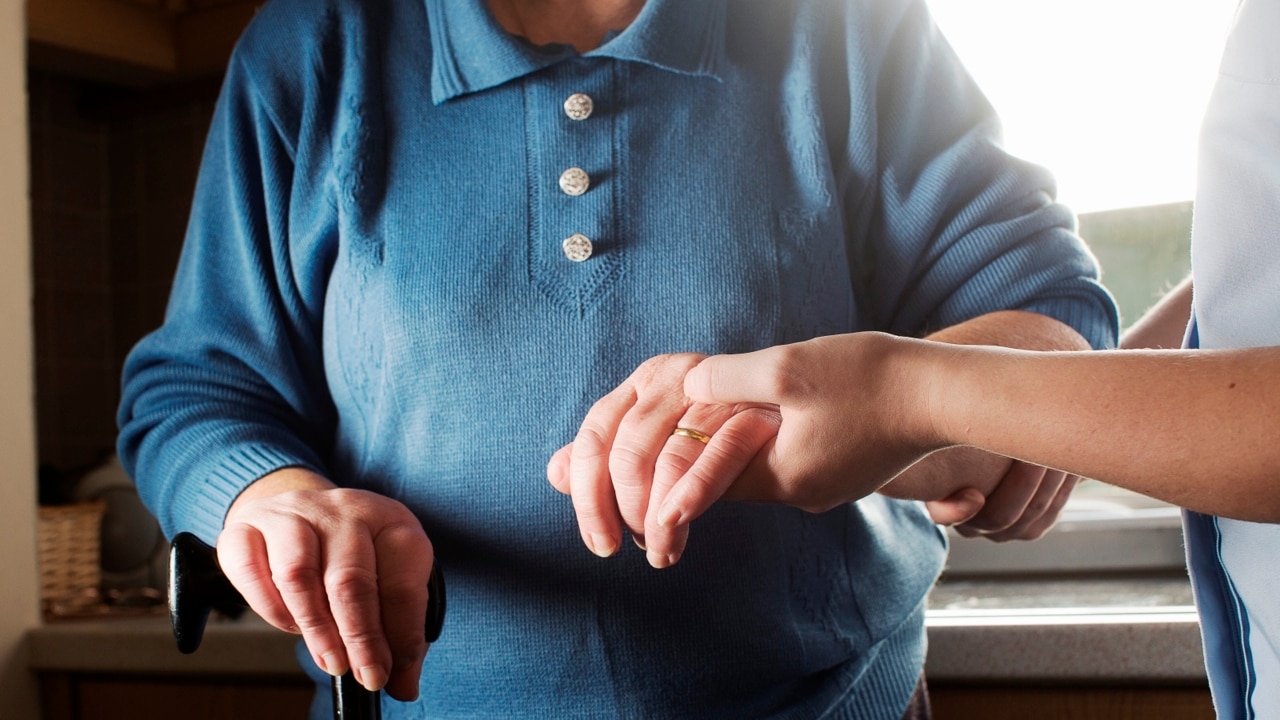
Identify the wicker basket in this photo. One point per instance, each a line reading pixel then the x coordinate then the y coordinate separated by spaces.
pixel 70 570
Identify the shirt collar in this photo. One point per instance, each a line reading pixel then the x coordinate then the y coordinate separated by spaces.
pixel 471 52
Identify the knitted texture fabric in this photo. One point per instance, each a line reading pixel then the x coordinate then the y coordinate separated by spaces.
pixel 375 286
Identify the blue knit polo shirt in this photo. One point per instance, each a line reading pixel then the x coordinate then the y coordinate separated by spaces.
pixel 384 280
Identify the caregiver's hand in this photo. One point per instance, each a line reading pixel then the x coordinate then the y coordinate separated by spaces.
pixel 858 415
pixel 854 414
pixel 346 569
pixel 626 456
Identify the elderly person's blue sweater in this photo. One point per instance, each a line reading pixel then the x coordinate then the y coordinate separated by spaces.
pixel 385 281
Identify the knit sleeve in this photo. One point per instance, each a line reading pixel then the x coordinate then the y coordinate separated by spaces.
pixel 232 386
pixel 958 227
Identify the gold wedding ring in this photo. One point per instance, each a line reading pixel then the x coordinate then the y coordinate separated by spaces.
pixel 691 433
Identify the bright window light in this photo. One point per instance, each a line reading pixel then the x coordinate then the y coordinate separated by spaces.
pixel 1109 94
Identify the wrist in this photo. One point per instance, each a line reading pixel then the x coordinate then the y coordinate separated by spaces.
pixel 903 371
pixel 934 378
pixel 290 479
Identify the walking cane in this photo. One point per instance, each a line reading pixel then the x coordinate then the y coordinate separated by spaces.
pixel 197 585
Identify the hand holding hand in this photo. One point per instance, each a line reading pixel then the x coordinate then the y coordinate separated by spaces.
pixel 852 418
pixel 856 414
pixel 346 569
pixel 625 457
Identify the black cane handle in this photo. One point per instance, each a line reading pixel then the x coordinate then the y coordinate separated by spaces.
pixel 197 585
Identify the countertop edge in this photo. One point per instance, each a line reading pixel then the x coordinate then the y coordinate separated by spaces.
pixel 1165 651
pixel 1158 649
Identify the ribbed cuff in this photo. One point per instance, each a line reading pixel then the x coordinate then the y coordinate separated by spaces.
pixel 203 504
pixel 1097 323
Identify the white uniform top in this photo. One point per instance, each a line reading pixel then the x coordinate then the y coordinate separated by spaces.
pixel 1235 260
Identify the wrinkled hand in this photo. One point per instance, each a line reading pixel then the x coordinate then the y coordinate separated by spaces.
pixel 346 569
pixel 625 459
pixel 985 495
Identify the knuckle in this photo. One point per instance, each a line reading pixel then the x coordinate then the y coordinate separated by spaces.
pixel 362 636
pixel 350 585
pixel 627 462
pixel 734 441
pixel 591 442
pixel 660 368
pixel 994 525
pixel 992 519
pixel 704 484
pixel 311 623
pixel 591 515
pixel 400 594
pixel 296 579
pixel 767 417
pixel 1037 507
pixel 671 462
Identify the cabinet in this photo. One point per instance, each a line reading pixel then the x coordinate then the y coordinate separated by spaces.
pixel 129 668
pixel 954 701
pixel 86 696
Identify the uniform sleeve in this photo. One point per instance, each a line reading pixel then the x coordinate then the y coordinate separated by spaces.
pixel 232 386
pixel 956 227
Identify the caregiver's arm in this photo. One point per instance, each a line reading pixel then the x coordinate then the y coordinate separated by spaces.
pixel 1194 428
pixel 988 494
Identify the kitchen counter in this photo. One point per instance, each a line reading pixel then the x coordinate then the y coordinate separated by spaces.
pixel 145 646
pixel 1126 631
pixel 1129 631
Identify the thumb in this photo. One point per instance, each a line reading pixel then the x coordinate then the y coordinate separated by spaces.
pixel 957 507
pixel 731 379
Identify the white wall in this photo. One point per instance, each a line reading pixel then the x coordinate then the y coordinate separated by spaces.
pixel 19 586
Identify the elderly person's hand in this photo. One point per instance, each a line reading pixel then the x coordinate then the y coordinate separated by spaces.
pixel 346 569
pixel 985 495
pixel 628 454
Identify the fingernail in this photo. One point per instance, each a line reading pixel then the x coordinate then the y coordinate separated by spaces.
pixel 332 664
pixel 660 561
pixel 601 544
pixel 372 677
pixel 639 541
pixel 670 515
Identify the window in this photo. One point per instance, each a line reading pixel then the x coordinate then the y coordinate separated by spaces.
pixel 1108 94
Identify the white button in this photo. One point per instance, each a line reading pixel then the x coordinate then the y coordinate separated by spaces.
pixel 574 181
pixel 578 106
pixel 577 247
